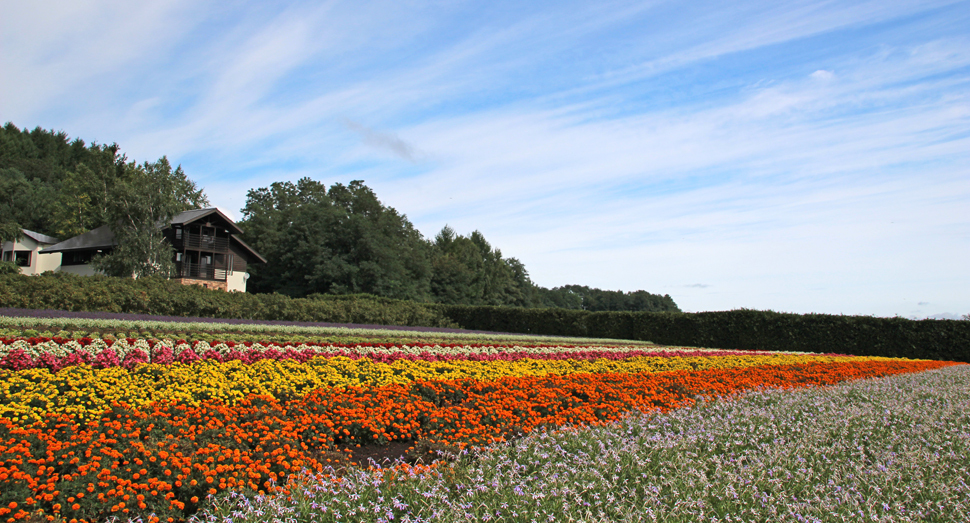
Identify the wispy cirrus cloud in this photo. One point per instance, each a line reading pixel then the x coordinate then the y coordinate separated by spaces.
pixel 806 156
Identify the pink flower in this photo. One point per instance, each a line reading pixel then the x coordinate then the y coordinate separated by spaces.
pixel 17 359
pixel 76 358
pixel 187 356
pixel 133 358
pixel 163 354
pixel 107 358
pixel 213 354
pixel 48 361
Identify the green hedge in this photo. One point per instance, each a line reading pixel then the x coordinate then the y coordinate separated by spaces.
pixel 739 329
pixel 156 296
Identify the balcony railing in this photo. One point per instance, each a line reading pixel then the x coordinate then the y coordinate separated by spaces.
pixel 200 271
pixel 205 242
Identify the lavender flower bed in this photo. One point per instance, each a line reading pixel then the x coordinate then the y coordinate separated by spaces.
pixel 893 449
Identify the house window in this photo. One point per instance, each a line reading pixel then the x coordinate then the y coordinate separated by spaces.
pixel 7 255
pixel 22 258
pixel 178 234
pixel 76 257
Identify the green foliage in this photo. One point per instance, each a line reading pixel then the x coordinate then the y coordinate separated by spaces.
pixel 341 241
pixel 592 299
pixel 158 296
pixel 468 271
pixel 9 268
pixel 52 185
pixel 143 198
pixel 744 329
pixel 64 188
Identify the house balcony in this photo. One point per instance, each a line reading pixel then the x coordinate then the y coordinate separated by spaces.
pixel 199 271
pixel 202 242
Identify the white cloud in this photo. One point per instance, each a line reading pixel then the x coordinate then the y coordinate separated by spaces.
pixel 822 74
pixel 618 145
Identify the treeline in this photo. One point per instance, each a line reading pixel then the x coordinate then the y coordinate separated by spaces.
pixel 343 240
pixel 62 188
pixel 317 240
pixel 580 297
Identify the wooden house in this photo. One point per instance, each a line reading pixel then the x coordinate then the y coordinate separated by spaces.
pixel 207 250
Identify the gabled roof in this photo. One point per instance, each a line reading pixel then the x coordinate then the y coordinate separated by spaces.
pixel 193 215
pixel 99 238
pixel 248 249
pixel 39 238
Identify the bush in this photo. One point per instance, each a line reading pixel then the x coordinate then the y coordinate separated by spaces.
pixel 743 329
pixel 158 296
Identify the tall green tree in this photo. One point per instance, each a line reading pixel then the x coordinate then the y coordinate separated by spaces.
pixel 24 203
pixel 468 271
pixel 54 185
pixel 457 269
pixel 139 205
pixel 337 241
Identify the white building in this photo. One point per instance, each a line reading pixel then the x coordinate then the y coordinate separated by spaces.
pixel 25 252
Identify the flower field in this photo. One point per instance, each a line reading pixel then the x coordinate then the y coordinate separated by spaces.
pixel 101 426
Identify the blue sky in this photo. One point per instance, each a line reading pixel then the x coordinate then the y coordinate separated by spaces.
pixel 794 156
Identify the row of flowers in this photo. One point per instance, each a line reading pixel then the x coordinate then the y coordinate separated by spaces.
pixel 163 458
pixel 84 391
pixel 56 353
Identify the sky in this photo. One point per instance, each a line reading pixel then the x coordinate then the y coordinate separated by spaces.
pixel 808 157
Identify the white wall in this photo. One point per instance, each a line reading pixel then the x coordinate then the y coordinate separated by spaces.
pixel 48 262
pixel 236 281
pixel 38 262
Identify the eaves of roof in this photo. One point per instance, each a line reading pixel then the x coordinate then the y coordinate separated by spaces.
pixel 195 214
pixel 99 238
pixel 247 248
pixel 40 238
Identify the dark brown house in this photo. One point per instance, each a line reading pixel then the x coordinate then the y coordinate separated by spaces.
pixel 208 250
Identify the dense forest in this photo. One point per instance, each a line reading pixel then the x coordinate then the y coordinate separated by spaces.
pixel 317 239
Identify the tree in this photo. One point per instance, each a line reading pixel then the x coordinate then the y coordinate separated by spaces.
pixel 337 241
pixel 457 269
pixel 24 203
pixel 139 205
pixel 52 185
pixel 593 299
pixel 468 271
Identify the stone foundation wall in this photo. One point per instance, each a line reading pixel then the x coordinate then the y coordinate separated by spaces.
pixel 208 284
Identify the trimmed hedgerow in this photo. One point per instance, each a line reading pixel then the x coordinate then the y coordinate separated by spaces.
pixel 744 329
pixel 157 296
